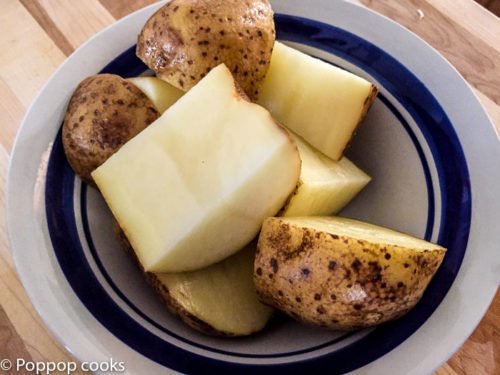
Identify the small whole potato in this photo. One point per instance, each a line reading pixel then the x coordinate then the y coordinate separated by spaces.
pixel 339 273
pixel 104 112
pixel 185 39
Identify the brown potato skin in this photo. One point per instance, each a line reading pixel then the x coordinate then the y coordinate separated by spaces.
pixel 185 39
pixel 104 112
pixel 338 282
pixel 163 293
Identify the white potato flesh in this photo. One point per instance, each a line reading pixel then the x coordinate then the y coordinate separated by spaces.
pixel 325 186
pixel 195 186
pixel 161 93
pixel 361 230
pixel 320 102
pixel 221 295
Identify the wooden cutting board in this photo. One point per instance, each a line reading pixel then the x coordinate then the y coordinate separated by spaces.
pixel 37 35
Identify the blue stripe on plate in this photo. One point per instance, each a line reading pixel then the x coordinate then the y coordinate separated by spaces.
pixel 454 229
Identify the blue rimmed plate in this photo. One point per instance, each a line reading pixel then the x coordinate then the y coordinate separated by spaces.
pixel 433 175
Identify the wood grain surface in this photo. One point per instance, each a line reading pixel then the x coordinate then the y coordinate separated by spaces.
pixel 37 35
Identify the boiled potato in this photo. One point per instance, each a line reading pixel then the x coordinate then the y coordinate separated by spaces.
pixel 161 93
pixel 325 186
pixel 219 300
pixel 104 112
pixel 341 273
pixel 184 39
pixel 322 103
pixel 202 178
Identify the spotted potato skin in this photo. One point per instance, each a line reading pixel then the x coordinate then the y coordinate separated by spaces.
pixel 338 282
pixel 104 112
pixel 185 39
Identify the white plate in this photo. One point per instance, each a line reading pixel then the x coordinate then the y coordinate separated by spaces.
pixel 427 143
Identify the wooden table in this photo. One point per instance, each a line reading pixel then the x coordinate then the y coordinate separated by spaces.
pixel 37 35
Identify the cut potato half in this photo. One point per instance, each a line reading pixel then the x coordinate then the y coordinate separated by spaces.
pixel 185 39
pixel 196 186
pixel 320 102
pixel 161 93
pixel 325 186
pixel 341 273
pixel 219 300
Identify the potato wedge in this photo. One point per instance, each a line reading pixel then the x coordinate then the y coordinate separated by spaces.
pixel 325 186
pixel 185 39
pixel 201 181
pixel 340 273
pixel 321 103
pixel 219 300
pixel 104 112
pixel 161 93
